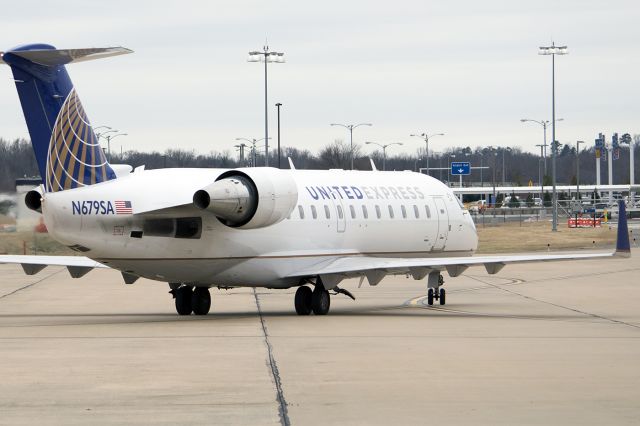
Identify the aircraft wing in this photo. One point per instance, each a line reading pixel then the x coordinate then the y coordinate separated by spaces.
pixel 78 266
pixel 376 268
pixel 332 271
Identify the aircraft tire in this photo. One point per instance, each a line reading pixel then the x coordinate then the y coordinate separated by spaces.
pixel 430 297
pixel 183 300
pixel 442 296
pixel 201 301
pixel 320 301
pixel 303 300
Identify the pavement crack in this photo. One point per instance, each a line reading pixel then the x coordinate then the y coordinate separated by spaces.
pixel 273 366
pixel 590 314
pixel 30 285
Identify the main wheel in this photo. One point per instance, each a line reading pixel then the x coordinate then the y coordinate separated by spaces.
pixel 303 300
pixel 183 300
pixel 442 296
pixel 201 301
pixel 320 301
pixel 430 297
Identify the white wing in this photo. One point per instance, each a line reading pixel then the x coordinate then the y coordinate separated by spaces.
pixel 376 268
pixel 77 265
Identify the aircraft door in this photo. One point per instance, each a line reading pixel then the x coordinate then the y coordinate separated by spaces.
pixel 341 214
pixel 443 223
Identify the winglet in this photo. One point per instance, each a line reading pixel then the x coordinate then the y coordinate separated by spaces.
pixel 373 165
pixel 291 166
pixel 623 248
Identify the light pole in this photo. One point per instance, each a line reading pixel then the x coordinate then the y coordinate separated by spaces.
pixel 109 138
pixel 384 151
pixel 253 143
pixel 241 149
pixel 101 127
pixel 578 170
pixel 540 178
pixel 553 50
pixel 544 124
pixel 266 56
pixel 504 150
pixel 449 156
pixel 278 105
pixel 101 134
pixel 426 137
pixel 350 127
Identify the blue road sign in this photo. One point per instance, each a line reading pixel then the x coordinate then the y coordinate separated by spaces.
pixel 460 168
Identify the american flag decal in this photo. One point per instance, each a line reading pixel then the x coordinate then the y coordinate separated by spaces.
pixel 123 207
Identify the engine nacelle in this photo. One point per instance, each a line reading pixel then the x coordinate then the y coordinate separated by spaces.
pixel 249 198
pixel 33 199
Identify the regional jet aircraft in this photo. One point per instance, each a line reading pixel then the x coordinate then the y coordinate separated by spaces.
pixel 245 227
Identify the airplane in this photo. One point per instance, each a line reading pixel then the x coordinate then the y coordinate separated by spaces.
pixel 244 227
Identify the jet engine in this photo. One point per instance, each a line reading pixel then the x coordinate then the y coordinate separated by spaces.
pixel 249 198
pixel 33 199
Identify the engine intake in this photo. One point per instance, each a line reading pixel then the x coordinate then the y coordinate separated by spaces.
pixel 33 200
pixel 249 198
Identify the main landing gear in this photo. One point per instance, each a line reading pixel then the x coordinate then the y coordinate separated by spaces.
pixel 436 291
pixel 190 300
pixel 317 301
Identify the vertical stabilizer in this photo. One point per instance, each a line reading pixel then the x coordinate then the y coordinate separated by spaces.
pixel 66 148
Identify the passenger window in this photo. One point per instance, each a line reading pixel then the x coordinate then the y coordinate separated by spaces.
pixel 314 212
pixel 378 213
pixel 390 211
pixel 416 211
pixel 404 212
pixel 327 212
pixel 340 212
pixel 301 211
pixel 428 211
pixel 365 214
pixel 353 212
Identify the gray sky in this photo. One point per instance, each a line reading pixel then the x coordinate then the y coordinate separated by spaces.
pixel 466 68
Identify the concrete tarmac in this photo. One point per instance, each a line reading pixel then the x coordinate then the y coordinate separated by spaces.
pixel 546 343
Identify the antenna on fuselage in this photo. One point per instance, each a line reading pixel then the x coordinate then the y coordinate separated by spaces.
pixel 373 165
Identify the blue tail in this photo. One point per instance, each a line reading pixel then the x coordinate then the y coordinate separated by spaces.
pixel 67 150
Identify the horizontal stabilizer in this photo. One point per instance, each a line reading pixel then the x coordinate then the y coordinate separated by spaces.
pixel 50 57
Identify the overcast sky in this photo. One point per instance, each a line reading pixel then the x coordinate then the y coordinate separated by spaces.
pixel 468 68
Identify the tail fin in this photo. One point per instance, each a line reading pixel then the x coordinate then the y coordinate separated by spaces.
pixel 66 148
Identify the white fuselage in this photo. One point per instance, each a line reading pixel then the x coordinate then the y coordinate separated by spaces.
pixel 338 213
